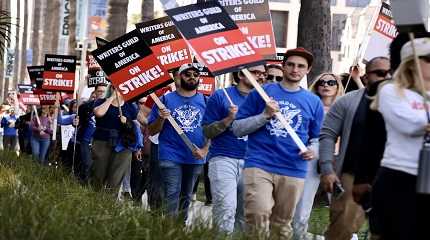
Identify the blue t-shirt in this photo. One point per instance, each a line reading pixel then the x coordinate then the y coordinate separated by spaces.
pixel 188 113
pixel 271 148
pixel 9 131
pixel 110 121
pixel 225 144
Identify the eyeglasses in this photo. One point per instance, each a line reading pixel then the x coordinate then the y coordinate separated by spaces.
pixel 141 103
pixel 330 82
pixel 257 73
pixel 270 77
pixel 192 74
pixel 379 72
pixel 425 58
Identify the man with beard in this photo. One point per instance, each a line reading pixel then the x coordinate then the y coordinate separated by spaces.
pixel 179 165
pixel 275 169
pixel 226 162
pixel 362 138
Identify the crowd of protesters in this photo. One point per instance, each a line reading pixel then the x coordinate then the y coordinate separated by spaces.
pixel 363 134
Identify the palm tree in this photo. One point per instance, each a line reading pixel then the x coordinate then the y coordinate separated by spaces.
pixel 23 58
pixel 50 28
pixel 37 13
pixel 147 10
pixel 315 33
pixel 5 26
pixel 17 50
pixel 117 18
pixel 5 31
pixel 72 27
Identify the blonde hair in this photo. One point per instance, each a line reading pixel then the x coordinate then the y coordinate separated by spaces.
pixel 314 86
pixel 405 77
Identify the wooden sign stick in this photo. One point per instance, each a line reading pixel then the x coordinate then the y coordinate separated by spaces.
pixel 279 115
pixel 174 124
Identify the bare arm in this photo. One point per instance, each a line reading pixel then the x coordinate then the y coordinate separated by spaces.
pixel 156 126
pixel 101 110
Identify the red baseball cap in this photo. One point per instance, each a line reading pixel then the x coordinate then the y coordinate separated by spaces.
pixel 301 52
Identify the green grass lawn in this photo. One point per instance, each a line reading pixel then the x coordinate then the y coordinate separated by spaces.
pixel 45 203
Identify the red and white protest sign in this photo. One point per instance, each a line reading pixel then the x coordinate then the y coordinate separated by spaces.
pixel 45 97
pixel 91 62
pixel 59 74
pixel 165 42
pixel 207 82
pixel 214 37
pixel 36 75
pixel 26 95
pixel 254 20
pixel 131 66
pixel 383 34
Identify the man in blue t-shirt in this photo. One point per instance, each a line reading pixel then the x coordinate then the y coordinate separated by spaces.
pixel 227 151
pixel 10 130
pixel 179 165
pixel 274 166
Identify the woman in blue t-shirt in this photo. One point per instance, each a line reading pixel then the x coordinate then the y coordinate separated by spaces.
pixel 111 165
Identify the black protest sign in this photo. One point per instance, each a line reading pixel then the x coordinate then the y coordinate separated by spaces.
pixel 25 88
pixel 96 77
pixel 131 66
pixel 165 42
pixel 36 75
pixel 254 20
pixel 59 74
pixel 215 38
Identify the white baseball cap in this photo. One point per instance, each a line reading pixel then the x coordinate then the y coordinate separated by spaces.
pixel 422 47
pixel 187 66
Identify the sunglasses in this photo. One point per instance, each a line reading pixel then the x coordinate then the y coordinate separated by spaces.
pixel 191 74
pixel 141 103
pixel 271 77
pixel 330 82
pixel 380 72
pixel 425 58
pixel 257 73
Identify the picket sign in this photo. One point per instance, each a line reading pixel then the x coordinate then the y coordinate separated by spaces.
pixel 203 42
pixel 145 60
pixel 54 123
pixel 174 124
pixel 37 116
pixel 228 97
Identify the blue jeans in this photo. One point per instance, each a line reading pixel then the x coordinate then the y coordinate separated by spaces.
pixel 304 207
pixel 226 179
pixel 86 161
pixel 39 148
pixel 178 182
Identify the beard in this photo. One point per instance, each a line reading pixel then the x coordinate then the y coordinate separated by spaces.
pixel 189 86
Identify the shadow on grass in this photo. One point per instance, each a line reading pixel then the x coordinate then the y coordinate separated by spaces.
pixel 46 203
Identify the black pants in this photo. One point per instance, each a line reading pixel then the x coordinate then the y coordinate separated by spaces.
pixel 155 181
pixel 138 178
pixel 206 182
pixel 9 143
pixel 394 202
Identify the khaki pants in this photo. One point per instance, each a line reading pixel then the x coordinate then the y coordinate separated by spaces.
pixel 109 166
pixel 346 216
pixel 270 202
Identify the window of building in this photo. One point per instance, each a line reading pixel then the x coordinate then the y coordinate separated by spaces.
pixel 337 27
pixel 280 27
pixel 357 3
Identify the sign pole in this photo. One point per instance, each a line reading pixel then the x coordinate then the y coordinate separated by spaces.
pixel 279 115
pixel 174 124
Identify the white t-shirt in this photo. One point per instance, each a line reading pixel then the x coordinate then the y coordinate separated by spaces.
pixel 405 120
